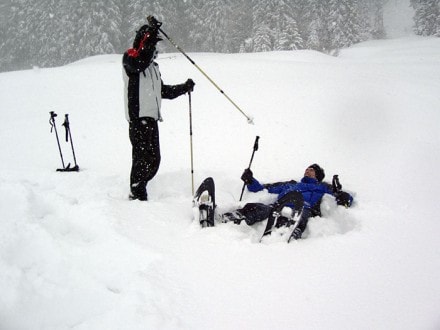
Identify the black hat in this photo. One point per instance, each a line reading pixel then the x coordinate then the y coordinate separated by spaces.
pixel 319 172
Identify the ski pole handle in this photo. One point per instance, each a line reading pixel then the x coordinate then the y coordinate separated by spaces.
pixel 256 143
pixel 250 163
pixel 66 126
pixel 54 127
pixel 255 149
pixel 52 120
pixel 336 185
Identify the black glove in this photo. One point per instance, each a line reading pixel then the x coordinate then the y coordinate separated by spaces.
pixel 189 85
pixel 153 22
pixel 247 176
pixel 343 198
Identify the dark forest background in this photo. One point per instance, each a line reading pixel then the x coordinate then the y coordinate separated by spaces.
pixel 48 33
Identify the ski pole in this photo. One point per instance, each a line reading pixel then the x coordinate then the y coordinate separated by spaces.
pixel 336 185
pixel 53 126
pixel 250 163
pixel 66 124
pixel 191 143
pixel 341 198
pixel 154 23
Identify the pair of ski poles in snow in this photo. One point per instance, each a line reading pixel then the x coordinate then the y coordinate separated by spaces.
pixel 155 23
pixel 66 125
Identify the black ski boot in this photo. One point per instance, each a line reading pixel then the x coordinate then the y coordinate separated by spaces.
pixel 235 216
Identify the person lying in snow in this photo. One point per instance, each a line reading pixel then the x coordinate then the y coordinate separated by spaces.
pixel 311 187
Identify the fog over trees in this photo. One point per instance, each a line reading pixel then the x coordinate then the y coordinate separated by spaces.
pixel 56 32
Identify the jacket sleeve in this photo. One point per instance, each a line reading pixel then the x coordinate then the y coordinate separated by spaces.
pixel 137 62
pixel 275 184
pixel 281 187
pixel 255 186
pixel 273 188
pixel 172 91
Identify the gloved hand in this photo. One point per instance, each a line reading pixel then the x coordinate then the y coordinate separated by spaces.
pixel 154 23
pixel 343 198
pixel 247 176
pixel 189 85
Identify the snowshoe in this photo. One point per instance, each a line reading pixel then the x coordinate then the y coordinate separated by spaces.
pixel 284 216
pixel 204 203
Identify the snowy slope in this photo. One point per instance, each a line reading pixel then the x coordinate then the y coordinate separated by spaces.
pixel 76 254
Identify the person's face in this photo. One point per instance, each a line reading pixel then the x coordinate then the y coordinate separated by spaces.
pixel 310 173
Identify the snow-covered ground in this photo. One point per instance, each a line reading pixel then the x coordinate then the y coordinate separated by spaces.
pixel 76 254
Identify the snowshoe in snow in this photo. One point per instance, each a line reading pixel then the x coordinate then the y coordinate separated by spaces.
pixel 204 203
pixel 284 216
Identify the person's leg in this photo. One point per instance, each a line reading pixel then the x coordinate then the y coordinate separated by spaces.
pixel 251 213
pixel 255 212
pixel 144 137
pixel 305 215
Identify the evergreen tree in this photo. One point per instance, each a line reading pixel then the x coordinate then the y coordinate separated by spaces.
pixel 437 33
pixel 263 26
pixel 15 51
pixel 176 23
pixel 98 28
pixel 240 26
pixel 136 13
pixel 426 17
pixel 49 32
pixel 303 17
pixel 344 28
pixel 287 36
pixel 195 28
pixel 319 26
pixel 366 14
pixel 56 32
pixel 217 18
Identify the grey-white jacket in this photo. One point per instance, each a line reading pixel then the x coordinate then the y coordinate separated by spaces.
pixel 144 89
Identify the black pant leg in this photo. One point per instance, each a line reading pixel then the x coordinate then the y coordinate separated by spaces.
pixel 255 212
pixel 305 215
pixel 144 138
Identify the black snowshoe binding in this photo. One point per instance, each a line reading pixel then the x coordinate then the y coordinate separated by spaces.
pixel 204 203
pixel 285 216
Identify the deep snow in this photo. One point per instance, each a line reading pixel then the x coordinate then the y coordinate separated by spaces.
pixel 76 254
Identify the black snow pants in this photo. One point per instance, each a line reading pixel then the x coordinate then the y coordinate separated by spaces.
pixel 256 212
pixel 144 138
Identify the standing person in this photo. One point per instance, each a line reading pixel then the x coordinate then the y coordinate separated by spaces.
pixel 144 91
pixel 311 187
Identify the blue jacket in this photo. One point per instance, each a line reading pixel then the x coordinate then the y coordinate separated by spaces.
pixel 311 189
